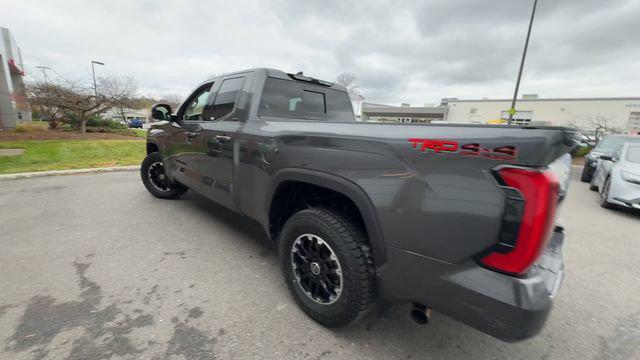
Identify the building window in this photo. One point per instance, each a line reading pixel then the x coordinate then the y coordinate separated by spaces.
pixel 633 125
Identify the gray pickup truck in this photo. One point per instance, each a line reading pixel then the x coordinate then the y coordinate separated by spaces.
pixel 454 218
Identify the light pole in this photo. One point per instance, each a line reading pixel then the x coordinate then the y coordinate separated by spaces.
pixel 93 72
pixel 512 110
pixel 44 71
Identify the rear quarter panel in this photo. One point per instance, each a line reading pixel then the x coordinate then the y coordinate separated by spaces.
pixel 441 205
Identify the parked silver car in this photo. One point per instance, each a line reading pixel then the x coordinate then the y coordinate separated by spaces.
pixel 618 177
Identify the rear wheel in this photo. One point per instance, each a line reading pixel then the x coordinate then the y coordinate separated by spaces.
pixel 327 266
pixel 155 180
pixel 604 194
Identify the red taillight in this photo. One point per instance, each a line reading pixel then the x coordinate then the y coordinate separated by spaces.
pixel 540 192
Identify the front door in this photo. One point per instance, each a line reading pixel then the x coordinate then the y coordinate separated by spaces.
pixel 217 135
pixel 185 146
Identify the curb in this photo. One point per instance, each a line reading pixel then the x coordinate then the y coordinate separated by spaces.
pixel 68 172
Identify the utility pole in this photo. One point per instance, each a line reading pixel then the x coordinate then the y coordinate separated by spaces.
pixel 93 72
pixel 44 72
pixel 512 110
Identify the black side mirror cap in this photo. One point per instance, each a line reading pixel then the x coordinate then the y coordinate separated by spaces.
pixel 161 112
pixel 605 157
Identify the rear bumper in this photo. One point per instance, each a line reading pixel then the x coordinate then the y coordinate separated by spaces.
pixel 508 308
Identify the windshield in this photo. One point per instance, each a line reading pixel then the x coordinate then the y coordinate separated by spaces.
pixel 633 154
pixel 609 144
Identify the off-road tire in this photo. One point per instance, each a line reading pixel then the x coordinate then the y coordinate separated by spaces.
pixel 172 190
pixel 348 242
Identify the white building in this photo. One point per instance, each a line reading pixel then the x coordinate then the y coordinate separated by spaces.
pixel 403 114
pixel 129 114
pixel 622 112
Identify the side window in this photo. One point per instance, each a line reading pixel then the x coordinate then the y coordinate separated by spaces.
pixel 195 105
pixel 225 101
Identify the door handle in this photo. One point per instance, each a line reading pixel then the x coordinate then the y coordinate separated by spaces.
pixel 190 134
pixel 223 138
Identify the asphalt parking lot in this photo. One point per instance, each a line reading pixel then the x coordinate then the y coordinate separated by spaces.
pixel 92 266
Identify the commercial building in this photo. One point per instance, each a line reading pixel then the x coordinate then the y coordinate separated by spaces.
pixel 403 114
pixel 622 112
pixel 13 103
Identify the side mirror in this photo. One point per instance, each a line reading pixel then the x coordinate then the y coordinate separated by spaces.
pixel 605 157
pixel 161 112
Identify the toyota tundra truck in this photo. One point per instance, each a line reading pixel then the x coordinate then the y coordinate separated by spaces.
pixel 454 218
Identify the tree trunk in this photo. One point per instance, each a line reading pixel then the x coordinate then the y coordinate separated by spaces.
pixel 83 124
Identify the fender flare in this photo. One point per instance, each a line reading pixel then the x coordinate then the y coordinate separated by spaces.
pixel 152 142
pixel 345 187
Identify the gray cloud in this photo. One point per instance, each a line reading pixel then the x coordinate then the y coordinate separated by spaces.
pixel 408 51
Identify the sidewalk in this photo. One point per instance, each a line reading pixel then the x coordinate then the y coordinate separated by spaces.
pixel 68 172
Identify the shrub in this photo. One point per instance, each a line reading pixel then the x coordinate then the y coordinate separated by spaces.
pixel 102 129
pixel 54 123
pixel 105 123
pixel 29 127
pixel 581 151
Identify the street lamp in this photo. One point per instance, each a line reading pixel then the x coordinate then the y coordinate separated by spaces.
pixel 93 72
pixel 44 71
pixel 512 110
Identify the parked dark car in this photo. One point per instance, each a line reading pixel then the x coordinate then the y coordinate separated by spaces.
pixel 606 147
pixel 455 218
pixel 136 123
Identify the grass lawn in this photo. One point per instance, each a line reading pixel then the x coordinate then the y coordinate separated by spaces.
pixel 140 133
pixel 70 154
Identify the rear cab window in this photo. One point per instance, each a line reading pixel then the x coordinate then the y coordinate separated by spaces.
pixel 298 100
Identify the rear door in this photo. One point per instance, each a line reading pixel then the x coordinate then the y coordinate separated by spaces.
pixel 217 137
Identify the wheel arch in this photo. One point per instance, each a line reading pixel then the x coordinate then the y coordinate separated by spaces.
pixel 152 147
pixel 339 185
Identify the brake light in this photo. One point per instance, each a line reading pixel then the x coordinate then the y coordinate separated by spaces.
pixel 540 192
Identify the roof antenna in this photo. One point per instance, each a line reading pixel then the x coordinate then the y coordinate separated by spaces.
pixel 299 73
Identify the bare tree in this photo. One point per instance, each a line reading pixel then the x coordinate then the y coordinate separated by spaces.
pixel 173 100
pixel 43 102
pixel 602 126
pixel 120 93
pixel 348 80
pixel 74 102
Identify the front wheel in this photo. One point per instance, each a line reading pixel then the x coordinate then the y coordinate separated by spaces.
pixel 604 194
pixel 327 266
pixel 585 176
pixel 155 180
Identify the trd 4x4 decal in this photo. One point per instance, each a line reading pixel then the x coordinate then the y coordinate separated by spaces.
pixel 507 152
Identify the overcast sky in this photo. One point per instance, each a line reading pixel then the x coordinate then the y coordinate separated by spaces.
pixel 400 51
